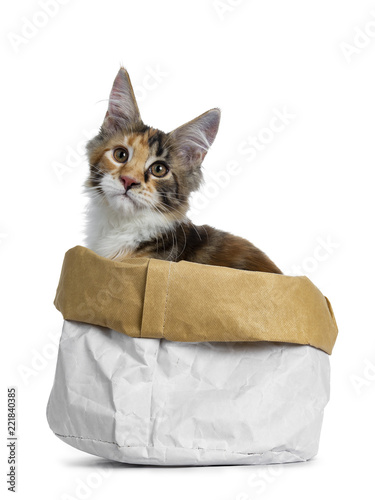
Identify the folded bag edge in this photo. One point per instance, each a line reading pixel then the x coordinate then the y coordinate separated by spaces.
pixel 189 302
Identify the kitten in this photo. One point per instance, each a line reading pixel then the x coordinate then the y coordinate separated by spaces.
pixel 139 186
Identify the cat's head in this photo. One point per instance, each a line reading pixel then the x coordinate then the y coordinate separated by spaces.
pixel 135 168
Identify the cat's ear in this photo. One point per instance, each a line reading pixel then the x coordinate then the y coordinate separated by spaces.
pixel 122 107
pixel 193 139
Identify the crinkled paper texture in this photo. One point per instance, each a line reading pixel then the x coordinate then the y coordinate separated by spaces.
pixel 154 401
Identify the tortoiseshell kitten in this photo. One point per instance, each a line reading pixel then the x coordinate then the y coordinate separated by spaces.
pixel 139 185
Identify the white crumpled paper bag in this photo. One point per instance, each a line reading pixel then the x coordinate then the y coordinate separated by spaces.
pixel 153 401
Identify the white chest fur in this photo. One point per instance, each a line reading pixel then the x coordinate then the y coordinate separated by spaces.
pixel 112 235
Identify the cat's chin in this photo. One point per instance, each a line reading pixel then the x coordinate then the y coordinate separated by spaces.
pixel 125 205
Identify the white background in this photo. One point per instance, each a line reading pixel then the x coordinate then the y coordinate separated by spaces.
pixel 307 199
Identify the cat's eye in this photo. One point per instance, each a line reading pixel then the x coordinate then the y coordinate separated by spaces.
pixel 121 155
pixel 158 169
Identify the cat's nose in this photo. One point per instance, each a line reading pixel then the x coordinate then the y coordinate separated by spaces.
pixel 129 182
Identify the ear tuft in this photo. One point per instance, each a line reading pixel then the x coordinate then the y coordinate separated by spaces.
pixel 122 108
pixel 194 138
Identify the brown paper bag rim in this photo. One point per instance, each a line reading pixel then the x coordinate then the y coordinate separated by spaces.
pixel 189 302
